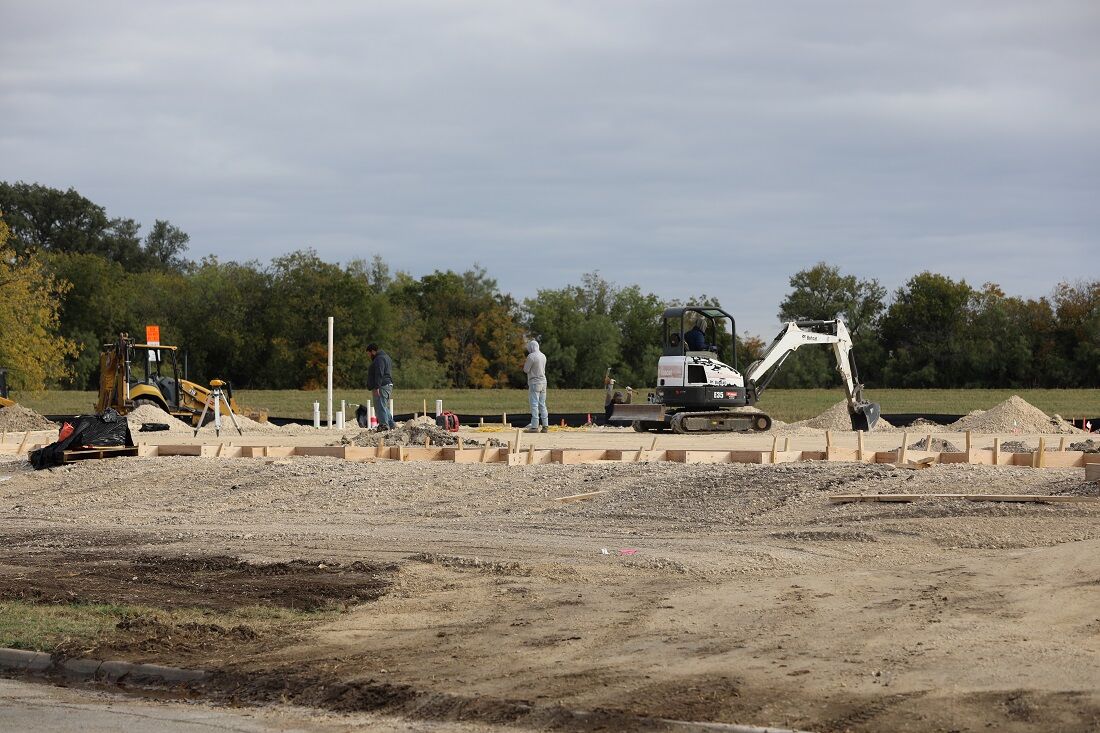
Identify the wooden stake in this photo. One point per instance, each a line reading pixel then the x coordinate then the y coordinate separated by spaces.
pixel 531 453
pixel 1040 455
pixel 859 446
pixel 459 441
pixel 996 451
pixel 218 452
pixel 904 444
pixel 1062 445
pixel 653 443
pixel 775 446
pixel 23 442
pixel 828 440
pixel 484 452
pixel 519 437
pixel 786 443
pixel 427 440
pixel 638 455
pixel 969 444
pixel 401 453
pixel 425 406
pixel 504 419
pixel 928 442
pixel 4 438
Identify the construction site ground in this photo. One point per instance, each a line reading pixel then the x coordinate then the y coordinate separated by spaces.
pixel 467 595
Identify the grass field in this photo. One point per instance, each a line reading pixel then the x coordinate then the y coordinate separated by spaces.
pixel 788 404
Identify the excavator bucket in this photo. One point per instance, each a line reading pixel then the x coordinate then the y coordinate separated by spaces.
pixel 644 411
pixel 865 415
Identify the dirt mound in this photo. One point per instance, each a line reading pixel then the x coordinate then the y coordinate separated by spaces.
pixel 17 418
pixel 153 414
pixel 1014 415
pixel 1088 446
pixel 835 418
pixel 942 446
pixel 410 432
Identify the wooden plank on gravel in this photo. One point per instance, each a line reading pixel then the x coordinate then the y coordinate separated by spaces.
pixel 905 498
pixel 1092 471
pixel 579 497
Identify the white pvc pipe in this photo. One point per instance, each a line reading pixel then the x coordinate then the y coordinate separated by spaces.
pixel 438 408
pixel 340 420
pixel 330 372
pixel 391 410
pixel 316 414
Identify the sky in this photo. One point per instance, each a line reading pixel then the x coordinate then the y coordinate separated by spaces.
pixel 685 146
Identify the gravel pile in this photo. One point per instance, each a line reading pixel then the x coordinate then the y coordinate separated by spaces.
pixel 410 432
pixel 153 414
pixel 18 418
pixel 1088 446
pixel 248 426
pixel 1013 415
pixel 836 418
pixel 938 444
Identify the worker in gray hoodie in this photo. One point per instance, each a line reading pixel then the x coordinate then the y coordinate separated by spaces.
pixel 535 366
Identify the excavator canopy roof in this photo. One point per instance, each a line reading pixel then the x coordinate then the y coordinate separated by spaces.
pixel 706 310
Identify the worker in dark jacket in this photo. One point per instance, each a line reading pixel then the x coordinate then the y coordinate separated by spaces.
pixel 380 383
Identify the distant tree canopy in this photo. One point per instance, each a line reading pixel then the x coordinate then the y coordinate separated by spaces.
pixel 72 278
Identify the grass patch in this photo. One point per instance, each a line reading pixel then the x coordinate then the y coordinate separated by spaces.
pixel 43 628
pixel 48 627
pixel 782 404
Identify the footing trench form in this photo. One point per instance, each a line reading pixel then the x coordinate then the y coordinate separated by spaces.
pixel 508 456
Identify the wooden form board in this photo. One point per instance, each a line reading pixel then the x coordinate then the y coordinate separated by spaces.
pixel 532 455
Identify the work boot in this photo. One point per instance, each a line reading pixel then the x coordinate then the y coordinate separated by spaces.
pixel 545 429
pixel 532 429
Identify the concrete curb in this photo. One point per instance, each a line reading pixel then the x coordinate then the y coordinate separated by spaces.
pixel 18 661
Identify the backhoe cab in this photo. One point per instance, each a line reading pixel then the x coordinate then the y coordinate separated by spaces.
pixel 699 387
pixel 132 374
pixel 5 401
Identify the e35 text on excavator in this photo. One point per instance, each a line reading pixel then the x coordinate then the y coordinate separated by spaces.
pixel 699 387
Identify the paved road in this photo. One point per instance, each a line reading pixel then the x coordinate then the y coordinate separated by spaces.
pixel 44 708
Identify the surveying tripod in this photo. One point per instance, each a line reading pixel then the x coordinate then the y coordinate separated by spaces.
pixel 217 398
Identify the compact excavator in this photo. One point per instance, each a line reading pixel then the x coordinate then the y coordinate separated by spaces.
pixel 699 388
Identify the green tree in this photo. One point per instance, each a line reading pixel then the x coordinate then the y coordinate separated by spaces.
pixel 822 293
pixel 925 333
pixel 31 346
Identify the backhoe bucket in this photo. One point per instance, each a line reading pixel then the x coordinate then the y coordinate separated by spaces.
pixel 864 416
pixel 643 411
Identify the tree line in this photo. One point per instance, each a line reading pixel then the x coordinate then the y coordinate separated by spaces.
pixel 72 278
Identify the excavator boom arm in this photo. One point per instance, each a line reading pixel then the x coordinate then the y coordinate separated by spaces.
pixel 791 338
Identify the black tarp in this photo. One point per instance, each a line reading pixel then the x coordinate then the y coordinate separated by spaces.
pixel 107 430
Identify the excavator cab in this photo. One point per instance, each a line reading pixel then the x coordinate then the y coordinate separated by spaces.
pixel 699 331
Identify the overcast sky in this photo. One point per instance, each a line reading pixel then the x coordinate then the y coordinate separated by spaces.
pixel 688 147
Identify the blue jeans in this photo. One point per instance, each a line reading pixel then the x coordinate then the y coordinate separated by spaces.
pixel 537 397
pixel 382 407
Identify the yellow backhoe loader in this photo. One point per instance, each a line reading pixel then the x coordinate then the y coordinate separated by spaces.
pixel 131 375
pixel 4 401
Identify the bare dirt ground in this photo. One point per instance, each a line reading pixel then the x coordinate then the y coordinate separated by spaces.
pixel 728 592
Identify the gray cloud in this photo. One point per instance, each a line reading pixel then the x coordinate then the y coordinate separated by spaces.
pixel 689 147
